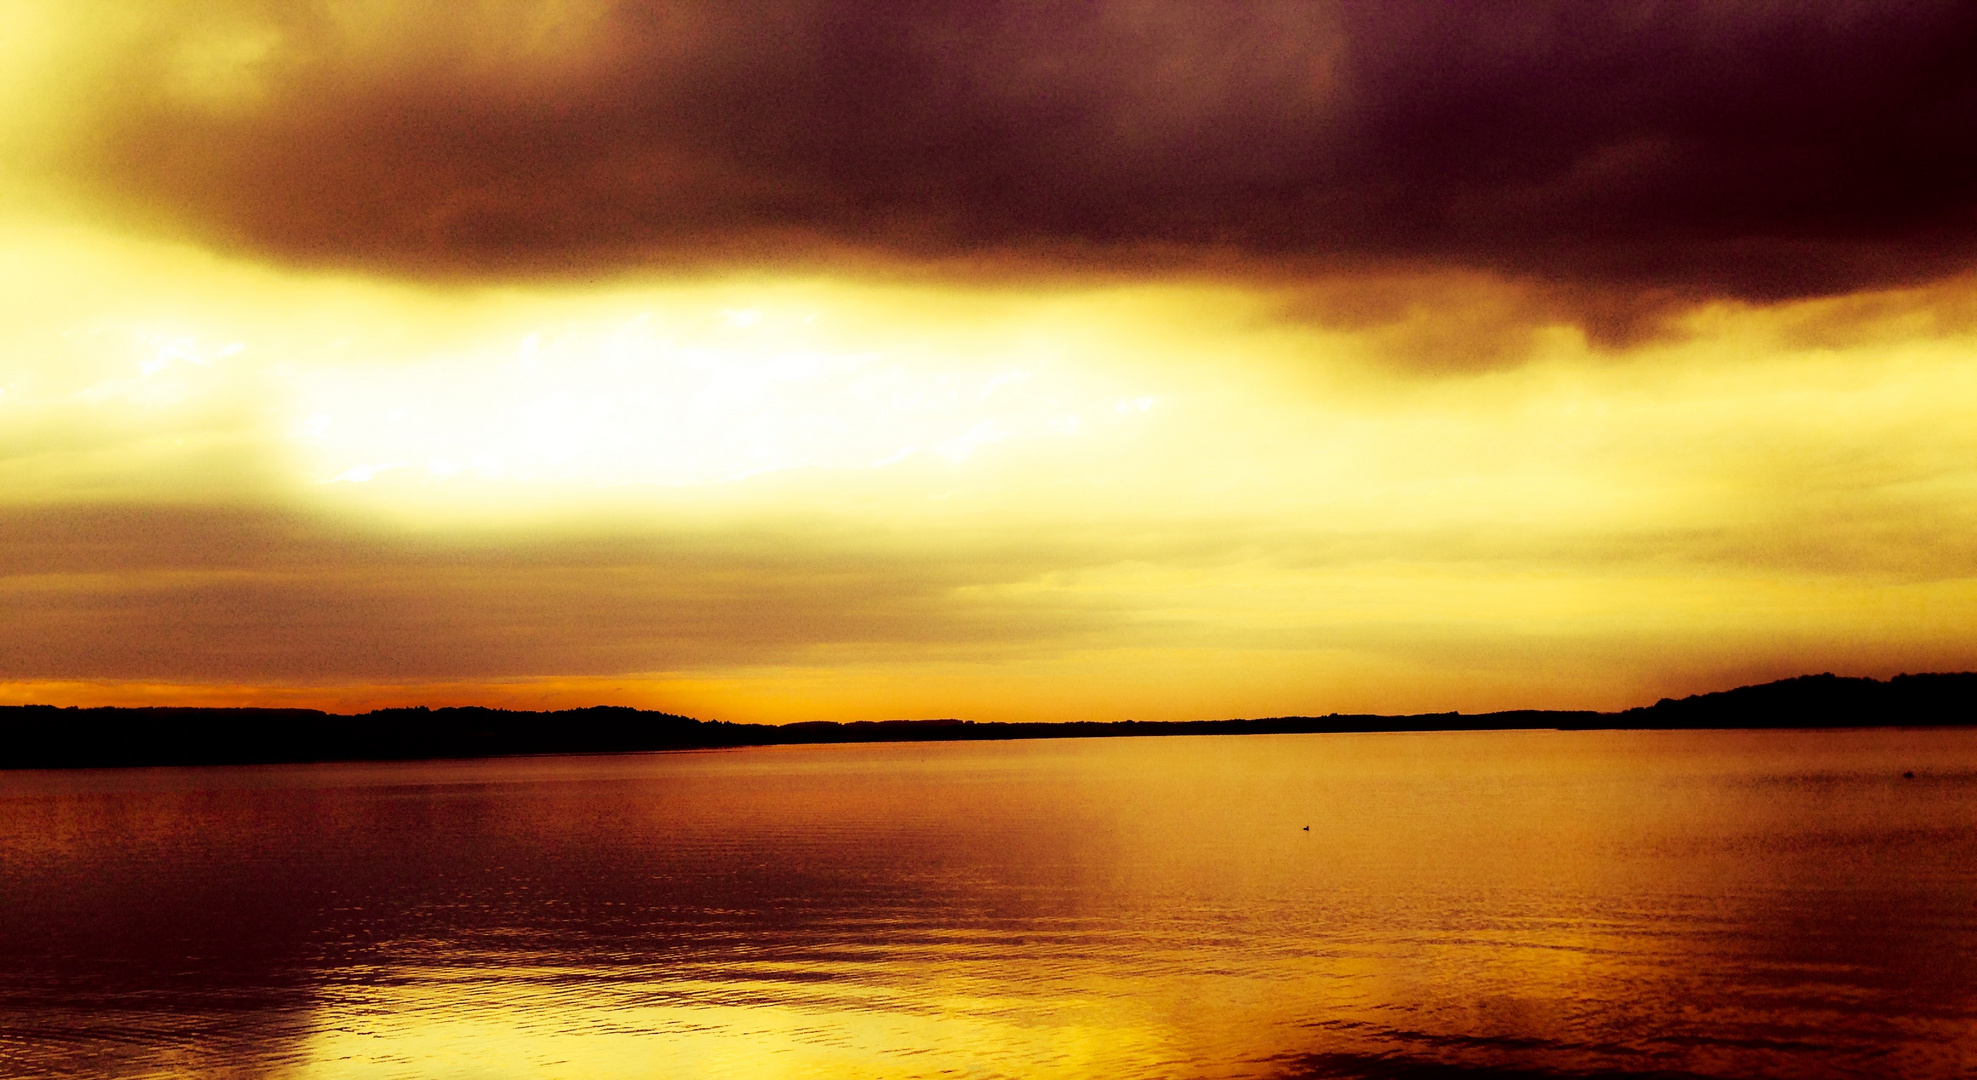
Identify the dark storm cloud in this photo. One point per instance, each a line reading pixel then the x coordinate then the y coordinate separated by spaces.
pixel 1755 149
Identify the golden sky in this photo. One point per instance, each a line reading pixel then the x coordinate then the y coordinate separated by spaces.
pixel 826 360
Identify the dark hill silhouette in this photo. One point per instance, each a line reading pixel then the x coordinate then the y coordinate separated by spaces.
pixel 1824 700
pixel 44 736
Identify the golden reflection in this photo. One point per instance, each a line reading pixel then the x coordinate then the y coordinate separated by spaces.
pixel 1626 903
pixel 842 1033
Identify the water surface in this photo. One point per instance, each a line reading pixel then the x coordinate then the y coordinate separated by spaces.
pixel 1500 904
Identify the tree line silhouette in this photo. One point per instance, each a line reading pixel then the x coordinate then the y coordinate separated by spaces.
pixel 45 736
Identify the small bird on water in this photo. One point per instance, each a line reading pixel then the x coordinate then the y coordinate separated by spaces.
pixel 1307 828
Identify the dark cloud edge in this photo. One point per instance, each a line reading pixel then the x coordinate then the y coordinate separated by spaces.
pixel 1614 165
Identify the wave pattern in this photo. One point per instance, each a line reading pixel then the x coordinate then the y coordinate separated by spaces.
pixel 1498 906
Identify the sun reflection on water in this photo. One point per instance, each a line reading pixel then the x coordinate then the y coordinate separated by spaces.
pixel 1615 904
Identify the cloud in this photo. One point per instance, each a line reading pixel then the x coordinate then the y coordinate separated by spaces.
pixel 124 591
pixel 1251 514
pixel 1747 149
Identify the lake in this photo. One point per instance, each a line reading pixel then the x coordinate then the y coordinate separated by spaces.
pixel 1491 904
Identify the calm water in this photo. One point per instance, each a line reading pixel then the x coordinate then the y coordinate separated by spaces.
pixel 1724 904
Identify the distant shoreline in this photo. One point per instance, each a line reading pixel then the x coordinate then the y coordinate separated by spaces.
pixel 50 737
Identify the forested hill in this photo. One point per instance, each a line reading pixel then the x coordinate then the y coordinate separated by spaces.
pixel 1817 701
pixel 41 736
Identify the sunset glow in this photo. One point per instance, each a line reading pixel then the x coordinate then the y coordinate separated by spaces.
pixel 312 427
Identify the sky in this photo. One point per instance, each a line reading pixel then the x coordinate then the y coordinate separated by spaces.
pixel 778 360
